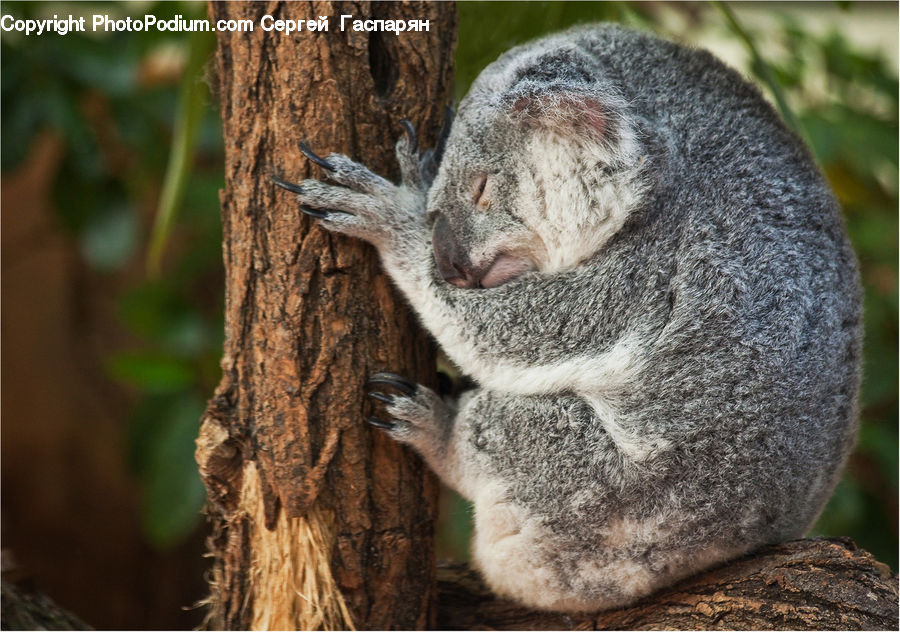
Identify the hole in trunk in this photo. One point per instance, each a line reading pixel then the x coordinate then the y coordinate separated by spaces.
pixel 382 67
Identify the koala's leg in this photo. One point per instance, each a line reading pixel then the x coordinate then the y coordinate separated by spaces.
pixel 546 483
pixel 526 501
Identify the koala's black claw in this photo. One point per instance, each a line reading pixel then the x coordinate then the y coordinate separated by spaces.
pixel 378 423
pixel 298 189
pixel 381 397
pixel 314 212
pixel 309 153
pixel 449 114
pixel 397 381
pixel 410 134
pixel 290 186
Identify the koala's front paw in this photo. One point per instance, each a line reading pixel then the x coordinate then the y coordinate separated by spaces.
pixel 418 415
pixel 365 205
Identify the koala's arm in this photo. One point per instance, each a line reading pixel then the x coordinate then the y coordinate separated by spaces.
pixel 488 333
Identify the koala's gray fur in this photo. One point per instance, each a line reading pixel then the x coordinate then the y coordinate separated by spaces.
pixel 647 277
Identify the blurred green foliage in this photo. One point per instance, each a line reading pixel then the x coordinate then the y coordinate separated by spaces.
pixel 113 101
pixel 117 123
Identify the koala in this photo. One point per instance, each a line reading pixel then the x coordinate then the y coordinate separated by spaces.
pixel 647 279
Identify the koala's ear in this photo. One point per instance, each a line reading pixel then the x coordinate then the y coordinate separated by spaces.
pixel 565 112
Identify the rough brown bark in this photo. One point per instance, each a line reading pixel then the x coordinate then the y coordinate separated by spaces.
pixel 799 585
pixel 318 520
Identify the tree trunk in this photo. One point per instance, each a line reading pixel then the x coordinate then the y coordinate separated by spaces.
pixel 318 520
pixel 799 585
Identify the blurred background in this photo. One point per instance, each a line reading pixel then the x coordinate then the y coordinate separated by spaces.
pixel 112 272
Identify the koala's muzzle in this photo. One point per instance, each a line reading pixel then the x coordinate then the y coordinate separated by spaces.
pixel 452 259
pixel 457 268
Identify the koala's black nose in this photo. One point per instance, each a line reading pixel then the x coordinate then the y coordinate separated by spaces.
pixel 451 258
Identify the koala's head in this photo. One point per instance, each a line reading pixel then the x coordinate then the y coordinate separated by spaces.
pixel 542 166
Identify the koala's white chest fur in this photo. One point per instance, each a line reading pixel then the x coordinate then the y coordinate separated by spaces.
pixel 577 201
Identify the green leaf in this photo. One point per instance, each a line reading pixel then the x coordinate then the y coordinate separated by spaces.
pixel 148 308
pixel 173 494
pixel 188 335
pixel 454 532
pixel 151 371
pixel 89 63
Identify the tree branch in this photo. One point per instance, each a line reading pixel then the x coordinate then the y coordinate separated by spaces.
pixel 818 584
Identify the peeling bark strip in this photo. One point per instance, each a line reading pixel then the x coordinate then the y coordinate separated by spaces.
pixel 799 585
pixel 304 498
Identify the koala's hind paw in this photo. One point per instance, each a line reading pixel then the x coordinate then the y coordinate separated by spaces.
pixel 418 415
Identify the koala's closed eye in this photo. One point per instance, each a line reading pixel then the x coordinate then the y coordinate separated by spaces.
pixel 482 190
